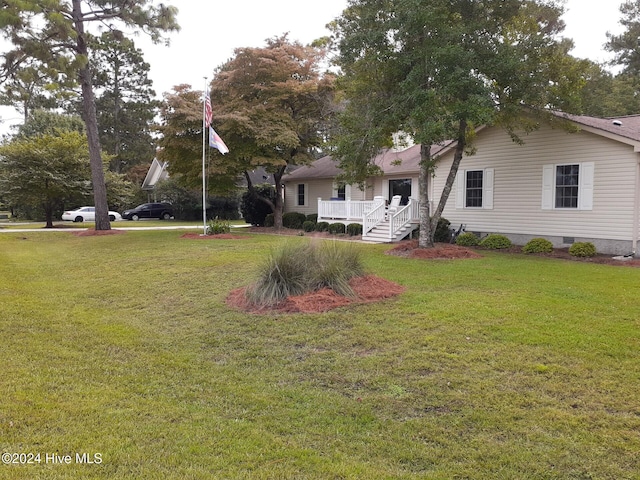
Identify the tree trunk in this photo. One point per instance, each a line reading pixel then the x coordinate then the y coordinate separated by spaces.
pixel 453 172
pixel 90 120
pixel 425 240
pixel 48 215
pixel 279 204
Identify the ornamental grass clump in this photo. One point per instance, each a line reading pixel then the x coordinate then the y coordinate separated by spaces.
pixel 294 269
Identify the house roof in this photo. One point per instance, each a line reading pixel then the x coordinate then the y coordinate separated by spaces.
pixel 625 126
pixel 392 162
pixel 157 172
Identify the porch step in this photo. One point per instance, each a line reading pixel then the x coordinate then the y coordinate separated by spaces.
pixel 380 234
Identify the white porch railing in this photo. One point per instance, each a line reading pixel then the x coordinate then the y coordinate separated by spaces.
pixel 372 219
pixel 400 218
pixel 344 209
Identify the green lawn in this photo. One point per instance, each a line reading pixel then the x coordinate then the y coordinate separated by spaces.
pixel 505 367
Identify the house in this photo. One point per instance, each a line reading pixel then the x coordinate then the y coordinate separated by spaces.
pixel 157 172
pixel 566 187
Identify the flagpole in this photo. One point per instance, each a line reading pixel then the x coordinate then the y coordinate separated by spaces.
pixel 204 150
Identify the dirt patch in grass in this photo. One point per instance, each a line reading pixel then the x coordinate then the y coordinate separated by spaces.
pixel 92 232
pixel 441 251
pixel 368 289
pixel 219 236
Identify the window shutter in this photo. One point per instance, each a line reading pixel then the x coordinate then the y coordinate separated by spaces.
pixel 487 189
pixel 460 184
pixel 547 187
pixel 586 186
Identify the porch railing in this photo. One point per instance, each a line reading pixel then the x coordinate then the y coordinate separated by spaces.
pixel 344 209
pixel 401 218
pixel 373 218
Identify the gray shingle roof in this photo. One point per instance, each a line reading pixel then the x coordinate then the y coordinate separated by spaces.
pixel 407 161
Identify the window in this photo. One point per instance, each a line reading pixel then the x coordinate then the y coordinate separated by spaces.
pixel 473 194
pixel 474 189
pixel 301 195
pixel 341 192
pixel 568 186
pixel 400 187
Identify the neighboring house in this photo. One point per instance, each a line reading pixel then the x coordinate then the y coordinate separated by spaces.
pixel 566 187
pixel 157 172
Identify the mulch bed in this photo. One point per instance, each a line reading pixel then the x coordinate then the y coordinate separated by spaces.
pixel 444 251
pixel 367 289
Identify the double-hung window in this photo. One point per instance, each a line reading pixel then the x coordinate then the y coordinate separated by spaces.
pixel 475 188
pixel 567 186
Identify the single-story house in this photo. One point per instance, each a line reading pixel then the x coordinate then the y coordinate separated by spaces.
pixel 566 187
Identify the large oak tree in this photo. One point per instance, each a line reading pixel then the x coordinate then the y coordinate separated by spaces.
pixel 57 34
pixel 438 69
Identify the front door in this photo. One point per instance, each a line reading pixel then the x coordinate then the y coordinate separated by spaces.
pixel 400 187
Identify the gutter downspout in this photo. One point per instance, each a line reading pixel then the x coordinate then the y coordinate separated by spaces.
pixel 636 212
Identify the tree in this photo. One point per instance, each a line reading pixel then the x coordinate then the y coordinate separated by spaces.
pixel 271 105
pixel 46 171
pixel 55 34
pixel 124 101
pixel 438 69
pixel 608 95
pixel 625 46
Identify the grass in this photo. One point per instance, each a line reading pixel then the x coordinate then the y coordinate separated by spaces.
pixel 504 367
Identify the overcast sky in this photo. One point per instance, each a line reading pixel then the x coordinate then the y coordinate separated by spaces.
pixel 211 30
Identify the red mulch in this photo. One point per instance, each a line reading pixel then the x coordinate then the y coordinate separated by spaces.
pixel 219 236
pixel 368 289
pixel 92 232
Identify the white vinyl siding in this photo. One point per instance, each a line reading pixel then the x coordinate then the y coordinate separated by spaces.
pixel 487 188
pixel 606 204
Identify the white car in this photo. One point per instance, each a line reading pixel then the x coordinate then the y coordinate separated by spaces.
pixel 87 214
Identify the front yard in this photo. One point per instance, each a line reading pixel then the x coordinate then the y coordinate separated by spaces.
pixel 505 366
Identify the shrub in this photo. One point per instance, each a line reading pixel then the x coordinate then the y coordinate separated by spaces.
pixel 312 217
pixel 217 226
pixel 225 208
pixel 467 239
pixel 254 211
pixel 309 226
pixel 442 234
pixel 538 245
pixel 336 228
pixel 293 220
pixel 296 269
pixel 354 229
pixel 322 226
pixel 582 249
pixel 495 242
pixel 269 220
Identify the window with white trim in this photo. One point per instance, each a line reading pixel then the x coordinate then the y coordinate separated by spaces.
pixel 567 186
pixel 475 188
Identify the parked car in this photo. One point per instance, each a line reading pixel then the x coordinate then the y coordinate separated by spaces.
pixel 163 211
pixel 87 214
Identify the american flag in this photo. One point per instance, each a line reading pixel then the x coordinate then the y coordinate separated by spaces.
pixel 208 111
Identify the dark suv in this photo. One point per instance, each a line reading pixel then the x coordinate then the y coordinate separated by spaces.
pixel 163 211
